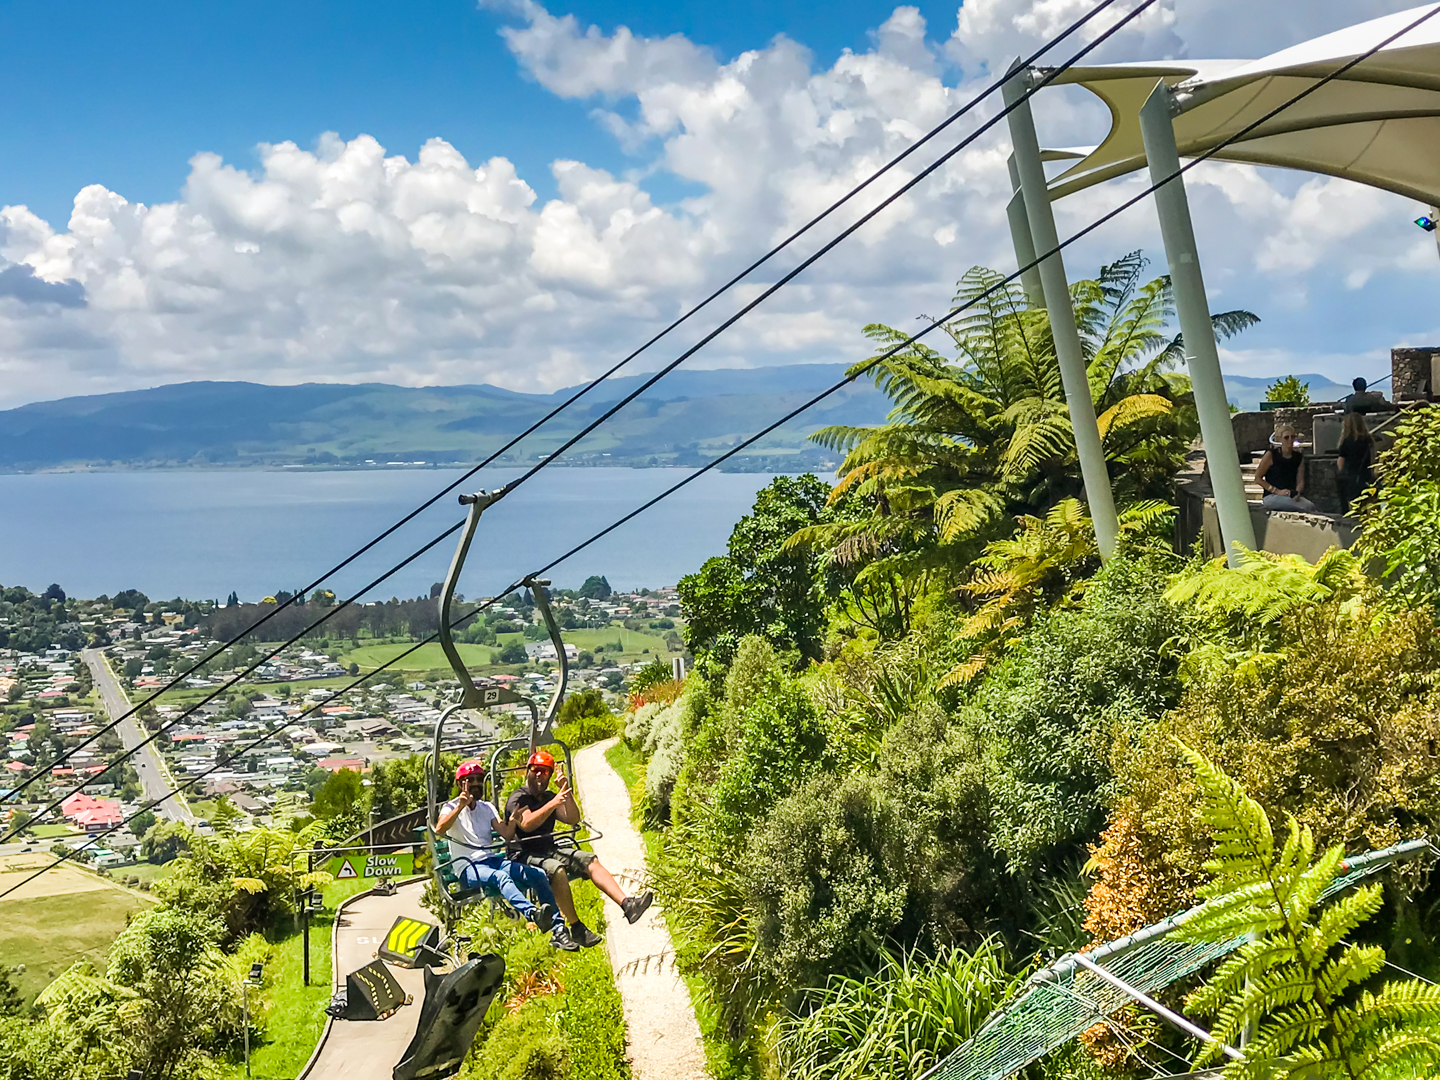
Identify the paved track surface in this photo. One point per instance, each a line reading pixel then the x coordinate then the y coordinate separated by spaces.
pixel 662 1035
pixel 155 778
pixel 369 1049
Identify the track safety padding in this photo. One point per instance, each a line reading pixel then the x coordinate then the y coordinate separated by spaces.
pixel 371 993
pixel 410 942
pixel 454 1006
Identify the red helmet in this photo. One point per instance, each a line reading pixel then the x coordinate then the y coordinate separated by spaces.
pixel 542 758
pixel 473 767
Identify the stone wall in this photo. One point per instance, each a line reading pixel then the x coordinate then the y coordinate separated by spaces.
pixel 1412 373
pixel 1282 533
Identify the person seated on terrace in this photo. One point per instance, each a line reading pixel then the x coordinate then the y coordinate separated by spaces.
pixel 1281 475
pixel 1355 458
pixel 471 824
pixel 536 809
pixel 1363 400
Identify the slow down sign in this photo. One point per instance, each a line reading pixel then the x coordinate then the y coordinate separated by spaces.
pixel 342 867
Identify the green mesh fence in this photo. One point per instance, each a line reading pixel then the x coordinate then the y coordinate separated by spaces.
pixel 1062 1000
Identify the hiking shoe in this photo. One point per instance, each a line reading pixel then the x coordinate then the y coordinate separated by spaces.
pixel 587 938
pixel 561 939
pixel 544 917
pixel 635 906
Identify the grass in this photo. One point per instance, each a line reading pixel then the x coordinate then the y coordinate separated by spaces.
pixel 564 1015
pixel 148 872
pixel 426 658
pixel 631 641
pixel 47 934
pixel 50 832
pixel 294 1012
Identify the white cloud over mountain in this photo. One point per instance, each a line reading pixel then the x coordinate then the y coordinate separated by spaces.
pixel 345 262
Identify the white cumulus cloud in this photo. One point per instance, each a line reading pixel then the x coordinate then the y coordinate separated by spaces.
pixel 346 261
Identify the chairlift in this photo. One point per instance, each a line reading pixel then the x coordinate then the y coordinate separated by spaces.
pixel 473 697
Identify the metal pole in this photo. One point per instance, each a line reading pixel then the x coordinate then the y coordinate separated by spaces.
pixel 305 932
pixel 1155 1007
pixel 1202 357
pixel 245 1005
pixel 1062 315
pixel 1022 239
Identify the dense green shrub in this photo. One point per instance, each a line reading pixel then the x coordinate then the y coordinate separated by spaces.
pixel 1077 683
pixel 1401 518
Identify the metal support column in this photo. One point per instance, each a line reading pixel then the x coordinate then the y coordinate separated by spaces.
pixel 1201 355
pixel 1022 239
pixel 1062 315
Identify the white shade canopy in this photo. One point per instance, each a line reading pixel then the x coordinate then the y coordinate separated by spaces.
pixel 1379 123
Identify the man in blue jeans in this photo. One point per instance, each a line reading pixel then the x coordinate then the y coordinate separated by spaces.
pixel 471 824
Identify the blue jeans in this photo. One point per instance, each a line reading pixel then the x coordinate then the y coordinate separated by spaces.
pixel 508 878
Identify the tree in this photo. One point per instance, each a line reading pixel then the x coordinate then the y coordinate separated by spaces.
pixel 54 592
pixel 10 1000
pixel 397 786
pixel 165 840
pixel 140 823
pixel 133 667
pixel 130 600
pixel 340 797
pixel 759 586
pixel 975 442
pixel 1289 389
pixel 595 588
pixel 514 653
pixel 233 600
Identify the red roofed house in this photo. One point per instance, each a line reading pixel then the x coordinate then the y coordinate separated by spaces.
pixel 335 764
pixel 90 813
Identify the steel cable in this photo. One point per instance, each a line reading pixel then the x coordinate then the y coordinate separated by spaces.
pixel 551 458
pixel 298 598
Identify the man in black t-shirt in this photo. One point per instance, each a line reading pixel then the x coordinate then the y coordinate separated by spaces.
pixel 535 844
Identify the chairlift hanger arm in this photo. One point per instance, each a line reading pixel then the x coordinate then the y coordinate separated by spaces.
pixel 469 694
pixel 542 602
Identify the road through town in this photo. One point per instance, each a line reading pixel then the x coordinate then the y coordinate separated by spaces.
pixel 155 778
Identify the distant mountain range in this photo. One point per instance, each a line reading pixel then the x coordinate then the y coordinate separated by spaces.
pixel 1246 392
pixel 685 419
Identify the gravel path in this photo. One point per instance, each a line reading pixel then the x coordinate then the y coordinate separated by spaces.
pixel 664 1039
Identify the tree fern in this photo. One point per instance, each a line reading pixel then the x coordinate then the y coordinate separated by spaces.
pixel 1298 983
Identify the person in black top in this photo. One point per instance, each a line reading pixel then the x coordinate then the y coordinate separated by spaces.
pixel 1281 474
pixel 536 809
pixel 1355 458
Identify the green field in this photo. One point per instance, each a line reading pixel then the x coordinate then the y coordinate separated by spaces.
pixel 426 658
pixel 49 933
pixel 632 642
pixel 145 871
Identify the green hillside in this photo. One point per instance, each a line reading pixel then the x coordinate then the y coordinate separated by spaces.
pixel 689 417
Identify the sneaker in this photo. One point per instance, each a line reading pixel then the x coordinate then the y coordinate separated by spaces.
pixel 544 917
pixel 635 906
pixel 561 939
pixel 587 938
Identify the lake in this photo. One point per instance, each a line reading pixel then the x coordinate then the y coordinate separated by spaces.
pixel 199 534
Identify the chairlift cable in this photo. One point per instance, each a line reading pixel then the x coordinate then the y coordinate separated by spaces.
pixel 298 598
pixel 608 414
pixel 167 725
pixel 859 370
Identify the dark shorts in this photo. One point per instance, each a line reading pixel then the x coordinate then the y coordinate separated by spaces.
pixel 567 860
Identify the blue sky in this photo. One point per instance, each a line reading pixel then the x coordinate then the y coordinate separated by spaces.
pixel 124 94
pixel 446 193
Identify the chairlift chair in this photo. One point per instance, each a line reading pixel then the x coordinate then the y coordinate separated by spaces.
pixel 474 697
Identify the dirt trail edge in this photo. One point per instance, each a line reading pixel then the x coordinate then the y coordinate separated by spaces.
pixel 663 1037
